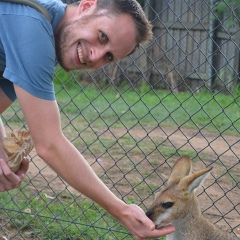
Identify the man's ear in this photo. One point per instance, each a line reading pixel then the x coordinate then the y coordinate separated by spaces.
pixel 85 5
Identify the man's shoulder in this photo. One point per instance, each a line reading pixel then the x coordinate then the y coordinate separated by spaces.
pixel 54 7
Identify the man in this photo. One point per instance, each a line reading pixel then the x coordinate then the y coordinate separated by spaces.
pixel 88 34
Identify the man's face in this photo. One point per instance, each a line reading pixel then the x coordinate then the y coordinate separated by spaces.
pixel 91 41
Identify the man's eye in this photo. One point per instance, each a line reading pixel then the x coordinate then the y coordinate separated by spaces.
pixel 103 37
pixel 109 57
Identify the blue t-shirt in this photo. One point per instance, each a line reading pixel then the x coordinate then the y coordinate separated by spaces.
pixel 27 48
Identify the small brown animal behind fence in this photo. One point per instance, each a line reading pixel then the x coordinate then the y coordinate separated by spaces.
pixel 177 204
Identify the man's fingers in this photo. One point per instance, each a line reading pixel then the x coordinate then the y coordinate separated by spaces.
pixel 147 222
pixel 23 168
pixel 9 179
pixel 5 170
pixel 146 228
pixel 166 230
pixel 155 233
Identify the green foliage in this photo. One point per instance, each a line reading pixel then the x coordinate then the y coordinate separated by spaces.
pixel 236 92
pixel 229 10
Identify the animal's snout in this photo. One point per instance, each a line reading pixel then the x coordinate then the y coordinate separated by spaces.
pixel 149 213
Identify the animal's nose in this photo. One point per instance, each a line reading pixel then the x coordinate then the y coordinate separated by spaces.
pixel 149 213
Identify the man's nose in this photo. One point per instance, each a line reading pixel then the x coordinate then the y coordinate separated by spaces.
pixel 97 57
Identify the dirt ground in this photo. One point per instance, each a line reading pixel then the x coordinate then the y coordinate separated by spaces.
pixel 222 194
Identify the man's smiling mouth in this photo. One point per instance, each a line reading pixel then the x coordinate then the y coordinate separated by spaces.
pixel 80 56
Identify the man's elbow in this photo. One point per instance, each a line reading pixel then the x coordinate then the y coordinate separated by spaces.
pixel 44 151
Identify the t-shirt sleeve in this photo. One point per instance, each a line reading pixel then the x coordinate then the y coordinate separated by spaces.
pixel 30 54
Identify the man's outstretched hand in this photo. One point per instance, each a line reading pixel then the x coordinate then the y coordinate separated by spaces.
pixel 141 227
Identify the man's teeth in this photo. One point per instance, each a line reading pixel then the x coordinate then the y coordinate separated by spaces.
pixel 80 54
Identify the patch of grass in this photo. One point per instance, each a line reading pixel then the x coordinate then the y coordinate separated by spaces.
pixel 112 108
pixel 108 109
pixel 58 218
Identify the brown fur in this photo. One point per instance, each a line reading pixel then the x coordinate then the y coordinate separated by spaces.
pixel 177 204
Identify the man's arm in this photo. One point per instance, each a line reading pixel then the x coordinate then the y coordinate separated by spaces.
pixel 43 120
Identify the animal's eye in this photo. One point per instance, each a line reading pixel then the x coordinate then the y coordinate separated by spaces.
pixel 167 205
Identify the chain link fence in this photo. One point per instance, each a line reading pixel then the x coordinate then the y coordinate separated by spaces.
pixel 178 95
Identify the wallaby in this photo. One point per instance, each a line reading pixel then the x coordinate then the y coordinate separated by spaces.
pixel 177 204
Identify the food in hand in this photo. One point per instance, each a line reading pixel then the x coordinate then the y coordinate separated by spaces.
pixel 17 146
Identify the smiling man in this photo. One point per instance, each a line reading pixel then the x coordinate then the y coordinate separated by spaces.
pixel 92 39
pixel 87 34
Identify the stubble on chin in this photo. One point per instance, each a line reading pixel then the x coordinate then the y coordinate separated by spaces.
pixel 61 45
pixel 63 38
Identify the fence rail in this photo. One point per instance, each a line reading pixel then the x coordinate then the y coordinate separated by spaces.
pixel 132 119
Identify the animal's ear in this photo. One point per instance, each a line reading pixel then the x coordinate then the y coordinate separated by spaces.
pixel 181 168
pixel 193 181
